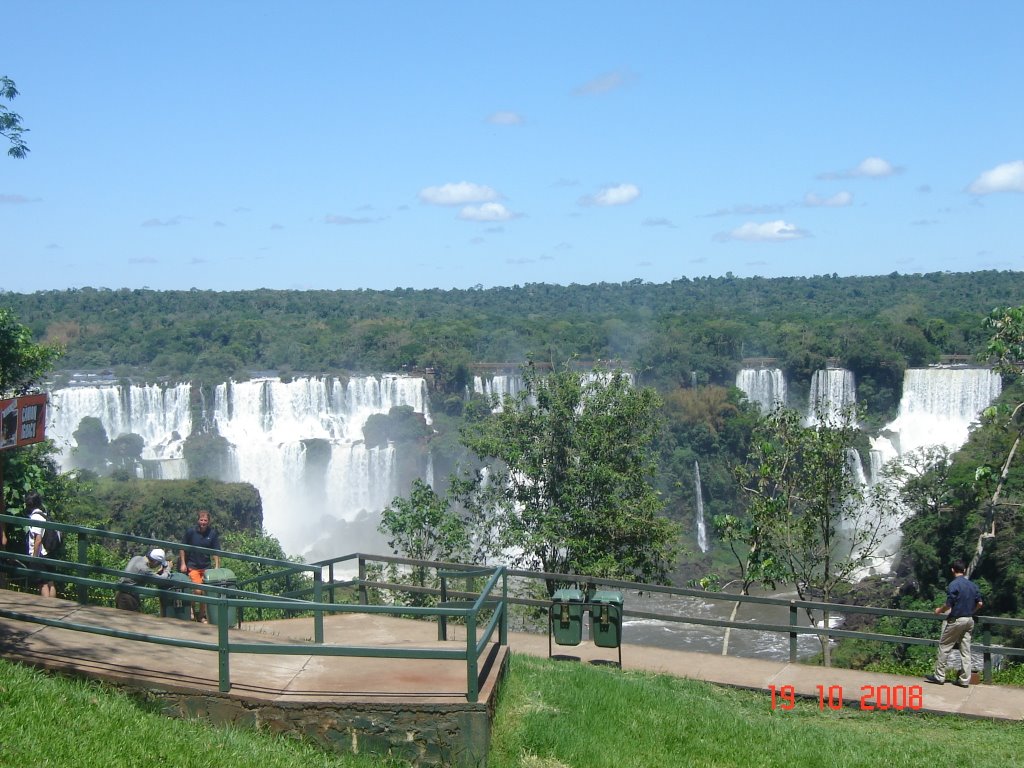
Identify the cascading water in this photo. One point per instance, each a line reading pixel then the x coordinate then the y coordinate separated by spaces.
pixel 698 493
pixel 938 406
pixel 299 443
pixel 764 386
pixel 832 390
pixel 160 415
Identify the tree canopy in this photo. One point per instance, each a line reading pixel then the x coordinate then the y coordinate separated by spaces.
pixel 10 122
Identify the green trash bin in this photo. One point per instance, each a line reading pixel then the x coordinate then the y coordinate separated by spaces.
pixel 606 618
pixel 173 603
pixel 566 616
pixel 220 577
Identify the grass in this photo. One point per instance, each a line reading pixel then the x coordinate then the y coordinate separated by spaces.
pixel 558 714
pixel 551 714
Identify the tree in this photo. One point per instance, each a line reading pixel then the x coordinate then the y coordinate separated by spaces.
pixel 10 122
pixel 806 506
pixel 425 527
pixel 568 466
pixel 23 364
pixel 92 445
pixel 1006 347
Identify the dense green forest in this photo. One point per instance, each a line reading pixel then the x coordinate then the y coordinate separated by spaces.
pixel 687 339
pixel 673 334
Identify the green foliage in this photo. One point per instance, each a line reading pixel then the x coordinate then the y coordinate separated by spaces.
pixel 23 363
pixel 208 455
pixel 92 445
pixel 569 468
pixel 10 122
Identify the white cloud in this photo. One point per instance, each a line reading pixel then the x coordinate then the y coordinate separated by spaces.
pixel 486 212
pixel 505 118
pixel 605 83
pixel 620 194
pixel 874 167
pixel 869 167
pixel 768 231
pixel 1008 177
pixel 459 193
pixel 838 200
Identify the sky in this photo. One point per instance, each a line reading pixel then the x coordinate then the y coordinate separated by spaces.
pixel 343 145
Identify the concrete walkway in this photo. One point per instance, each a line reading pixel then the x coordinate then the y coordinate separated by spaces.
pixel 317 678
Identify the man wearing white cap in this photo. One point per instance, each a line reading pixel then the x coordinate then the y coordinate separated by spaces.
pixel 153 563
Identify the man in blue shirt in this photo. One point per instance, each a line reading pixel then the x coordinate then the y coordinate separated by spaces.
pixel 963 600
pixel 195 564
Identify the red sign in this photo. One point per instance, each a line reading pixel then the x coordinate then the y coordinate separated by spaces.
pixel 24 421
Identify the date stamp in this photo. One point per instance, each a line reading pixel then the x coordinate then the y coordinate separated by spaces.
pixel 873 698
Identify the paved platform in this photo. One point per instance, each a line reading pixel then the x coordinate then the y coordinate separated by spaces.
pixel 313 679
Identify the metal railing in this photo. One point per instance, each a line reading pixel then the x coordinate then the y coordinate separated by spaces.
pixel 485 616
pixel 307 585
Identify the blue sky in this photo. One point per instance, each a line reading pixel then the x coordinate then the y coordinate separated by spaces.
pixel 341 145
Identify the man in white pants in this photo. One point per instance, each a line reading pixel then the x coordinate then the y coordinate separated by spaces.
pixel 963 600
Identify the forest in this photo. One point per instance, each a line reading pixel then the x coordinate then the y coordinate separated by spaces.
pixel 685 339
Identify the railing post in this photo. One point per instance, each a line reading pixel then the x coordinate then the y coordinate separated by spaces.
pixel 472 671
pixel 792 635
pixel 503 622
pixel 83 557
pixel 330 581
pixel 364 598
pixel 223 658
pixel 442 620
pixel 318 614
pixel 986 638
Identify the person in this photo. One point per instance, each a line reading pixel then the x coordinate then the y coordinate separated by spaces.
pixel 963 600
pixel 153 563
pixel 195 564
pixel 34 540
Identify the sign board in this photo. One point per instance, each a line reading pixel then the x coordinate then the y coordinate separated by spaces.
pixel 23 421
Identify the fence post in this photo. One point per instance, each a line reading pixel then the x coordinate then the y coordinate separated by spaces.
pixel 792 635
pixel 223 657
pixel 83 557
pixel 503 623
pixel 472 671
pixel 318 614
pixel 364 598
pixel 986 638
pixel 442 620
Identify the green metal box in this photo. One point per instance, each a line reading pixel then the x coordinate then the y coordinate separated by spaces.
pixel 566 617
pixel 606 618
pixel 173 603
pixel 220 577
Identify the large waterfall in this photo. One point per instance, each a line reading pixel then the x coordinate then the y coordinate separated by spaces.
pixel 698 492
pixel 938 406
pixel 764 386
pixel 320 498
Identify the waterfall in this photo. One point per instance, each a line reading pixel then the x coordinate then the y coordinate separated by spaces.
pixel 300 443
pixel 698 493
pixel 764 386
pixel 160 415
pixel 938 406
pixel 832 390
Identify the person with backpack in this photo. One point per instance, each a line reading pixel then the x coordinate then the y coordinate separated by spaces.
pixel 41 542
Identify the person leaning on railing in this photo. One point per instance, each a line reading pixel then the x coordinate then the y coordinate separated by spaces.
pixel 153 563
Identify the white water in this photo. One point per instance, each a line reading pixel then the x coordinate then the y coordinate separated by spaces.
pixel 312 508
pixel 764 386
pixel 698 493
pixel 832 390
pixel 938 406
